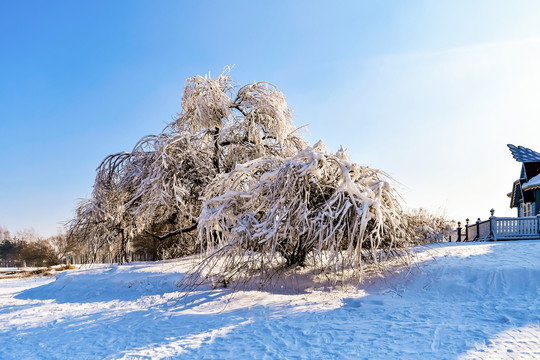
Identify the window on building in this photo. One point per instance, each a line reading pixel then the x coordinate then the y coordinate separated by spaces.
pixel 526 209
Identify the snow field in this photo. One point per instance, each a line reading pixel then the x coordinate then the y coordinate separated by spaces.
pixel 458 301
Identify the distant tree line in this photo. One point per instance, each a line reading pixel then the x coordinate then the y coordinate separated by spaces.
pixel 26 248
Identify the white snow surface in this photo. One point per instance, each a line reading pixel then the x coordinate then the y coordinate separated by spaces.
pixel 458 301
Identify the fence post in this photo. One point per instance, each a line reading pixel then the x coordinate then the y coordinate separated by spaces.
pixel 467 229
pixel 493 226
pixel 458 231
pixel 477 237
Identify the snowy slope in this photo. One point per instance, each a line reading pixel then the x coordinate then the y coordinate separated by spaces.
pixel 459 301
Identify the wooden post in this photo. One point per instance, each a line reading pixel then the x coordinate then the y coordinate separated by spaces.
pixel 467 229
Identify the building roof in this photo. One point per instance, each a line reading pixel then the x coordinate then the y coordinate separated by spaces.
pixel 532 183
pixel 523 154
pixel 530 175
pixel 516 194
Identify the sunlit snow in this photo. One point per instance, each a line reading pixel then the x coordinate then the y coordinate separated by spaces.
pixel 457 301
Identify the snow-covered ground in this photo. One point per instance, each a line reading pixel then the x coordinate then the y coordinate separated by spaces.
pixel 459 301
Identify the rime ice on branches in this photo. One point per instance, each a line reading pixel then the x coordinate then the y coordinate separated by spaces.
pixel 231 179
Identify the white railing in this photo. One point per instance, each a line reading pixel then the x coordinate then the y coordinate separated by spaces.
pixel 501 228
pixel 510 228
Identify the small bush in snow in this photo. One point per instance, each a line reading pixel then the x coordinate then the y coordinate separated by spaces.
pixel 423 227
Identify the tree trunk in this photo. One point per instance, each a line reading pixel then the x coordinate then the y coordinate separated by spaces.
pixel 123 248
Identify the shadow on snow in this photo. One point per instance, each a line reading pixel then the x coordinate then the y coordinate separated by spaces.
pixel 441 308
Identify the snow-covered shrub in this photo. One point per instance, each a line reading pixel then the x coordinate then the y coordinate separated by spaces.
pixel 423 227
pixel 314 209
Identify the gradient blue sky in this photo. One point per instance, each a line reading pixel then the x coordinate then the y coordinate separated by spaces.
pixel 428 91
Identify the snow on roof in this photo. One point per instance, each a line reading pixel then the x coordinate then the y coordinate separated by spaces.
pixel 533 183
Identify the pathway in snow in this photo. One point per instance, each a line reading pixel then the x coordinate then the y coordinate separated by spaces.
pixel 461 301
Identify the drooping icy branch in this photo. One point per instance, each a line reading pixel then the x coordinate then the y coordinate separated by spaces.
pixel 315 206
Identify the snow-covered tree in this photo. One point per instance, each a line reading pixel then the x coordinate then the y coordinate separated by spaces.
pixel 157 188
pixel 232 179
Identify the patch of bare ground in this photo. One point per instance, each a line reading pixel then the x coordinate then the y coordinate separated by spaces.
pixel 37 272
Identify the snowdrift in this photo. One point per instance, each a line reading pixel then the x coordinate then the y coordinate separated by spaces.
pixel 111 282
pixel 467 272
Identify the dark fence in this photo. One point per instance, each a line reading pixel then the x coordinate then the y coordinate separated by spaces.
pixel 108 259
pixel 7 263
pixel 87 259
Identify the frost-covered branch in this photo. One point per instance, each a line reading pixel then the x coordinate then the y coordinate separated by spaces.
pixel 231 178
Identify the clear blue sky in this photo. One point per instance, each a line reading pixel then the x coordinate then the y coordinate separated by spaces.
pixel 428 91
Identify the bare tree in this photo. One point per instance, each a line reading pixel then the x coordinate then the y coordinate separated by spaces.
pixel 28 248
pixel 4 234
pixel 38 253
